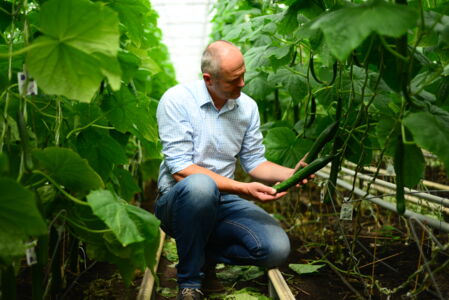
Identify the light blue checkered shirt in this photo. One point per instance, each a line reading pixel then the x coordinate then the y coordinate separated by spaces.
pixel 193 131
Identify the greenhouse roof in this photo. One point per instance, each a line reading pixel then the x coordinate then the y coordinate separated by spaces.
pixel 186 27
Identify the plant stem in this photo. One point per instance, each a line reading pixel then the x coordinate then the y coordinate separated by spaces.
pixel 74 199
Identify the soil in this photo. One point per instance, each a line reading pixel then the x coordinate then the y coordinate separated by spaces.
pixel 318 236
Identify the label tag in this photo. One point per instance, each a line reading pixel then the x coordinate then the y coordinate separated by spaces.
pixel 31 84
pixel 323 190
pixel 346 211
pixel 31 256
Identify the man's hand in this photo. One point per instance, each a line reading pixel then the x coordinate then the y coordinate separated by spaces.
pixel 299 165
pixel 262 192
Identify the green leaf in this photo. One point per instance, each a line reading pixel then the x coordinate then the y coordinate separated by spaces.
pixel 284 148
pixel 129 223
pixel 147 62
pixel 355 149
pixel 431 132
pixel 127 184
pixel 289 22
pixel 67 168
pixel 19 219
pixel 244 296
pixel 129 64
pixel 132 15
pixel 78 49
pixel 346 28
pixel 101 151
pixel 11 247
pixel 255 58
pixel 127 113
pixel 18 210
pixel 305 268
pixel 258 87
pixel 293 82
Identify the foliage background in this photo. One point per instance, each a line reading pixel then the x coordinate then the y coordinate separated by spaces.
pixel 74 155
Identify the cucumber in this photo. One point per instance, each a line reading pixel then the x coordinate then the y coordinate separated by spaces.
pixel 325 136
pixel 303 173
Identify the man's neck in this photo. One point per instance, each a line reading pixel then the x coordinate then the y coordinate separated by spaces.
pixel 218 102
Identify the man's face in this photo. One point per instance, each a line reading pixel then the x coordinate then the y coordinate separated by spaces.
pixel 229 83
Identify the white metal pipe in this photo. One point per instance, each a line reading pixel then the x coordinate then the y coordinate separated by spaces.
pixel 437 224
pixel 416 193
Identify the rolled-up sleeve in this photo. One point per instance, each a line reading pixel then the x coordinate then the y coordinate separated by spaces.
pixel 176 134
pixel 252 152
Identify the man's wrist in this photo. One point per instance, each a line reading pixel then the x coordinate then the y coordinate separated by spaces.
pixel 242 188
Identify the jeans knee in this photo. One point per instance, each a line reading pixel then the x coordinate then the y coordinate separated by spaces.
pixel 276 252
pixel 201 191
pixel 279 254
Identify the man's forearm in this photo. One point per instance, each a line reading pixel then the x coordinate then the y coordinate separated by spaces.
pixel 270 172
pixel 224 184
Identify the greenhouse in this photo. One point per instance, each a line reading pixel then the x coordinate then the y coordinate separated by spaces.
pixel 211 149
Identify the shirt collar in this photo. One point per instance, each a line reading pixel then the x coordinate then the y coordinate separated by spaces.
pixel 230 104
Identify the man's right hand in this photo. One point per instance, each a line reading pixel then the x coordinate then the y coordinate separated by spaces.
pixel 262 192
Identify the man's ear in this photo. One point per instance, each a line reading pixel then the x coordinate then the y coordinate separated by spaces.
pixel 207 78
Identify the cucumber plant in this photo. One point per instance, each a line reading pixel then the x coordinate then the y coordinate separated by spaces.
pixel 79 86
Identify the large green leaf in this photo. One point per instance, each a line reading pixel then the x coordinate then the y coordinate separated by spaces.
pixel 283 147
pixel 356 149
pixel 101 151
pixel 19 219
pixel 128 113
pixel 289 22
pixel 18 210
pixel 67 168
pixel 127 185
pixel 346 28
pixel 431 132
pixel 127 259
pixel 132 14
pixel 256 58
pixel 129 63
pixel 129 223
pixel 292 81
pixel 78 49
pixel 258 87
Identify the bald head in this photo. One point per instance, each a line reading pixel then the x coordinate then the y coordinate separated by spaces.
pixel 215 54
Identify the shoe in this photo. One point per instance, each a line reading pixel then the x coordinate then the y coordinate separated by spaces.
pixel 211 284
pixel 189 294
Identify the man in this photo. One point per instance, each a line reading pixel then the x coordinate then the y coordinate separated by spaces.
pixel 205 126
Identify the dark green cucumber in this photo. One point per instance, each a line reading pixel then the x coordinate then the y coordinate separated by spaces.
pixel 325 136
pixel 303 173
pixel 399 170
pixel 312 112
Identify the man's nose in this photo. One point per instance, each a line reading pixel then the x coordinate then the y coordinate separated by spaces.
pixel 241 83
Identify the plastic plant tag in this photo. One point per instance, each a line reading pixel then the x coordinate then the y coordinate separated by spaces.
pixel 31 256
pixel 31 85
pixel 346 211
pixel 323 191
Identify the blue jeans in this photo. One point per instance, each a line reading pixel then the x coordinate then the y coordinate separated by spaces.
pixel 212 227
